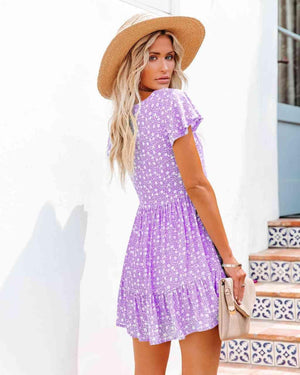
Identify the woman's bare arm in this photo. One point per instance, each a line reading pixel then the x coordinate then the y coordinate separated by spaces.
pixel 203 197
pixel 201 192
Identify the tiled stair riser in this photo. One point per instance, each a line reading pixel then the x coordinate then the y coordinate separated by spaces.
pixel 260 352
pixel 275 271
pixel 278 309
pixel 284 237
pixel 270 353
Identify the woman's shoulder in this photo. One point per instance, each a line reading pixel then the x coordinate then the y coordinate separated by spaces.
pixel 175 99
pixel 170 97
pixel 163 97
pixel 181 113
pixel 170 92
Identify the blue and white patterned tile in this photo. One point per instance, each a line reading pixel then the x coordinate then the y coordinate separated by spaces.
pixel 262 308
pixel 259 270
pixel 284 309
pixel 297 307
pixel 294 237
pixel 223 353
pixel 278 236
pixel 280 272
pixel 286 354
pixel 262 353
pixel 295 272
pixel 238 351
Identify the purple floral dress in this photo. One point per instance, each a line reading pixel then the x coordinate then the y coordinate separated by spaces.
pixel 169 282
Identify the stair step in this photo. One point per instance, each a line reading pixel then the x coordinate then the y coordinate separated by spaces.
pixel 244 369
pixel 274 331
pixel 284 233
pixel 268 343
pixel 292 222
pixel 282 254
pixel 277 302
pixel 275 265
pixel 272 345
pixel 277 290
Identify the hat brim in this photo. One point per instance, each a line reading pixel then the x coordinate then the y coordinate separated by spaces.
pixel 188 30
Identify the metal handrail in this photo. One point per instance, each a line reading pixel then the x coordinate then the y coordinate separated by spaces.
pixel 289 33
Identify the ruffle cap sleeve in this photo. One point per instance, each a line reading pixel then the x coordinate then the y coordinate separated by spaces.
pixel 182 114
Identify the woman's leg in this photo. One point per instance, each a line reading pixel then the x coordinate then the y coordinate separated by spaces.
pixel 150 359
pixel 200 352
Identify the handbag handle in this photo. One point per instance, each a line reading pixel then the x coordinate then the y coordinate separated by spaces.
pixel 229 299
pixel 232 305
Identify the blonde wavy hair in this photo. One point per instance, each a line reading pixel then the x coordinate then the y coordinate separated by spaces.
pixel 125 93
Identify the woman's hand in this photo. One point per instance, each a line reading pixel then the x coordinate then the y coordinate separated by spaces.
pixel 238 276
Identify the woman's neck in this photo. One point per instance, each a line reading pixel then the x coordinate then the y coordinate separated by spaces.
pixel 145 92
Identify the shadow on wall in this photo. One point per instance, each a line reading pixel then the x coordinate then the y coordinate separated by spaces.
pixel 40 300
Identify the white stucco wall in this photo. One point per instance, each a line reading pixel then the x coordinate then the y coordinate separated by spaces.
pixel 64 229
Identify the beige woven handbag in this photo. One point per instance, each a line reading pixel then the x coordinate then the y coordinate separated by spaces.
pixel 234 319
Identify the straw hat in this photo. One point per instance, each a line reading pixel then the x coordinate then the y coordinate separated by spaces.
pixel 188 30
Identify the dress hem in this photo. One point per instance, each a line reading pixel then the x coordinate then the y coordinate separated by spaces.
pixel 172 337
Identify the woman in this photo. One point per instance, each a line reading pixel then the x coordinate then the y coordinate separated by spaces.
pixel 172 266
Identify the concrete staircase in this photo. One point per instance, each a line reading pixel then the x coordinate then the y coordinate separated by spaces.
pixel 273 343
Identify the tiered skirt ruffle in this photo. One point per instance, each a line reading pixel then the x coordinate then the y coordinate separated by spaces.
pixel 170 277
